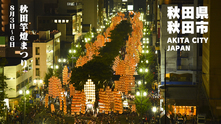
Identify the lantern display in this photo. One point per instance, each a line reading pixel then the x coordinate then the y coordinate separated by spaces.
pixel 83 102
pixel 69 76
pixel 118 105
pixel 110 98
pixel 54 87
pixel 133 108
pixel 52 108
pixel 116 61
pixel 65 105
pixel 93 48
pixel 89 89
pixel 122 84
pixel 46 101
pixel 60 100
pixel 65 75
pixel 127 67
pixel 102 101
pixel 72 90
pixel 107 106
pixel 76 103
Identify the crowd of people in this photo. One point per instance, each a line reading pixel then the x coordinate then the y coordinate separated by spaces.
pixel 17 117
pixel 40 114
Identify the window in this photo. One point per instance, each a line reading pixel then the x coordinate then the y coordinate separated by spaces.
pixel 37 72
pixel 37 50
pixel 18 74
pixel 30 67
pixel 26 82
pixel 17 52
pixel 37 60
pixel 18 87
pixel 22 84
pixel 22 71
pixel 71 4
pixel 30 79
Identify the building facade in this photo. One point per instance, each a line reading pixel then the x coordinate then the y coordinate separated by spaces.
pixel 46 51
pixel 17 78
pixel 211 59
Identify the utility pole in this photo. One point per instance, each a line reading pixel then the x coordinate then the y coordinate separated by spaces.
pixel 165 87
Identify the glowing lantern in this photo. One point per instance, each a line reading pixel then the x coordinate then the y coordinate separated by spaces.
pixel 65 75
pixel 46 101
pixel 118 106
pixel 89 89
pixel 133 108
pixel 102 101
pixel 54 87
pixel 52 108
pixel 83 102
pixel 76 103
pixel 65 105
pixel 72 90
pixel 110 98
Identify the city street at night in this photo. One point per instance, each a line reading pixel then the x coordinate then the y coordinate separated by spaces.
pixel 110 62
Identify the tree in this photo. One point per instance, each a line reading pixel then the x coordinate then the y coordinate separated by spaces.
pixel 3 86
pixel 142 102
pixel 100 67
pixel 25 102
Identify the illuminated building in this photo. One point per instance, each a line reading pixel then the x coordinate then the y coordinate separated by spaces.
pixel 211 61
pixel 182 67
pixel 89 89
pixel 46 51
pixel 17 78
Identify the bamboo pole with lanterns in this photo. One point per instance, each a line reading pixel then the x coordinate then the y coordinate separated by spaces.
pixel 102 101
pixel 46 101
pixel 76 103
pixel 118 106
pixel 65 105
pixel 83 102
pixel 110 97
pixel 65 75
pixel 72 90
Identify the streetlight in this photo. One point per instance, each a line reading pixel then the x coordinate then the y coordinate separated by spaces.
pixel 143 70
pixel 141 93
pixel 62 61
pixel 25 92
pixel 154 109
pixel 139 82
pixel 72 57
pixel 39 83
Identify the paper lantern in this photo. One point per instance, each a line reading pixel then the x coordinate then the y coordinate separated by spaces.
pixel 54 87
pixel 72 90
pixel 118 106
pixel 133 108
pixel 46 101
pixel 52 108
pixel 102 101
pixel 89 89
pixel 76 103
pixel 83 102
pixel 92 49
pixel 65 75
pixel 65 105
pixel 110 98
